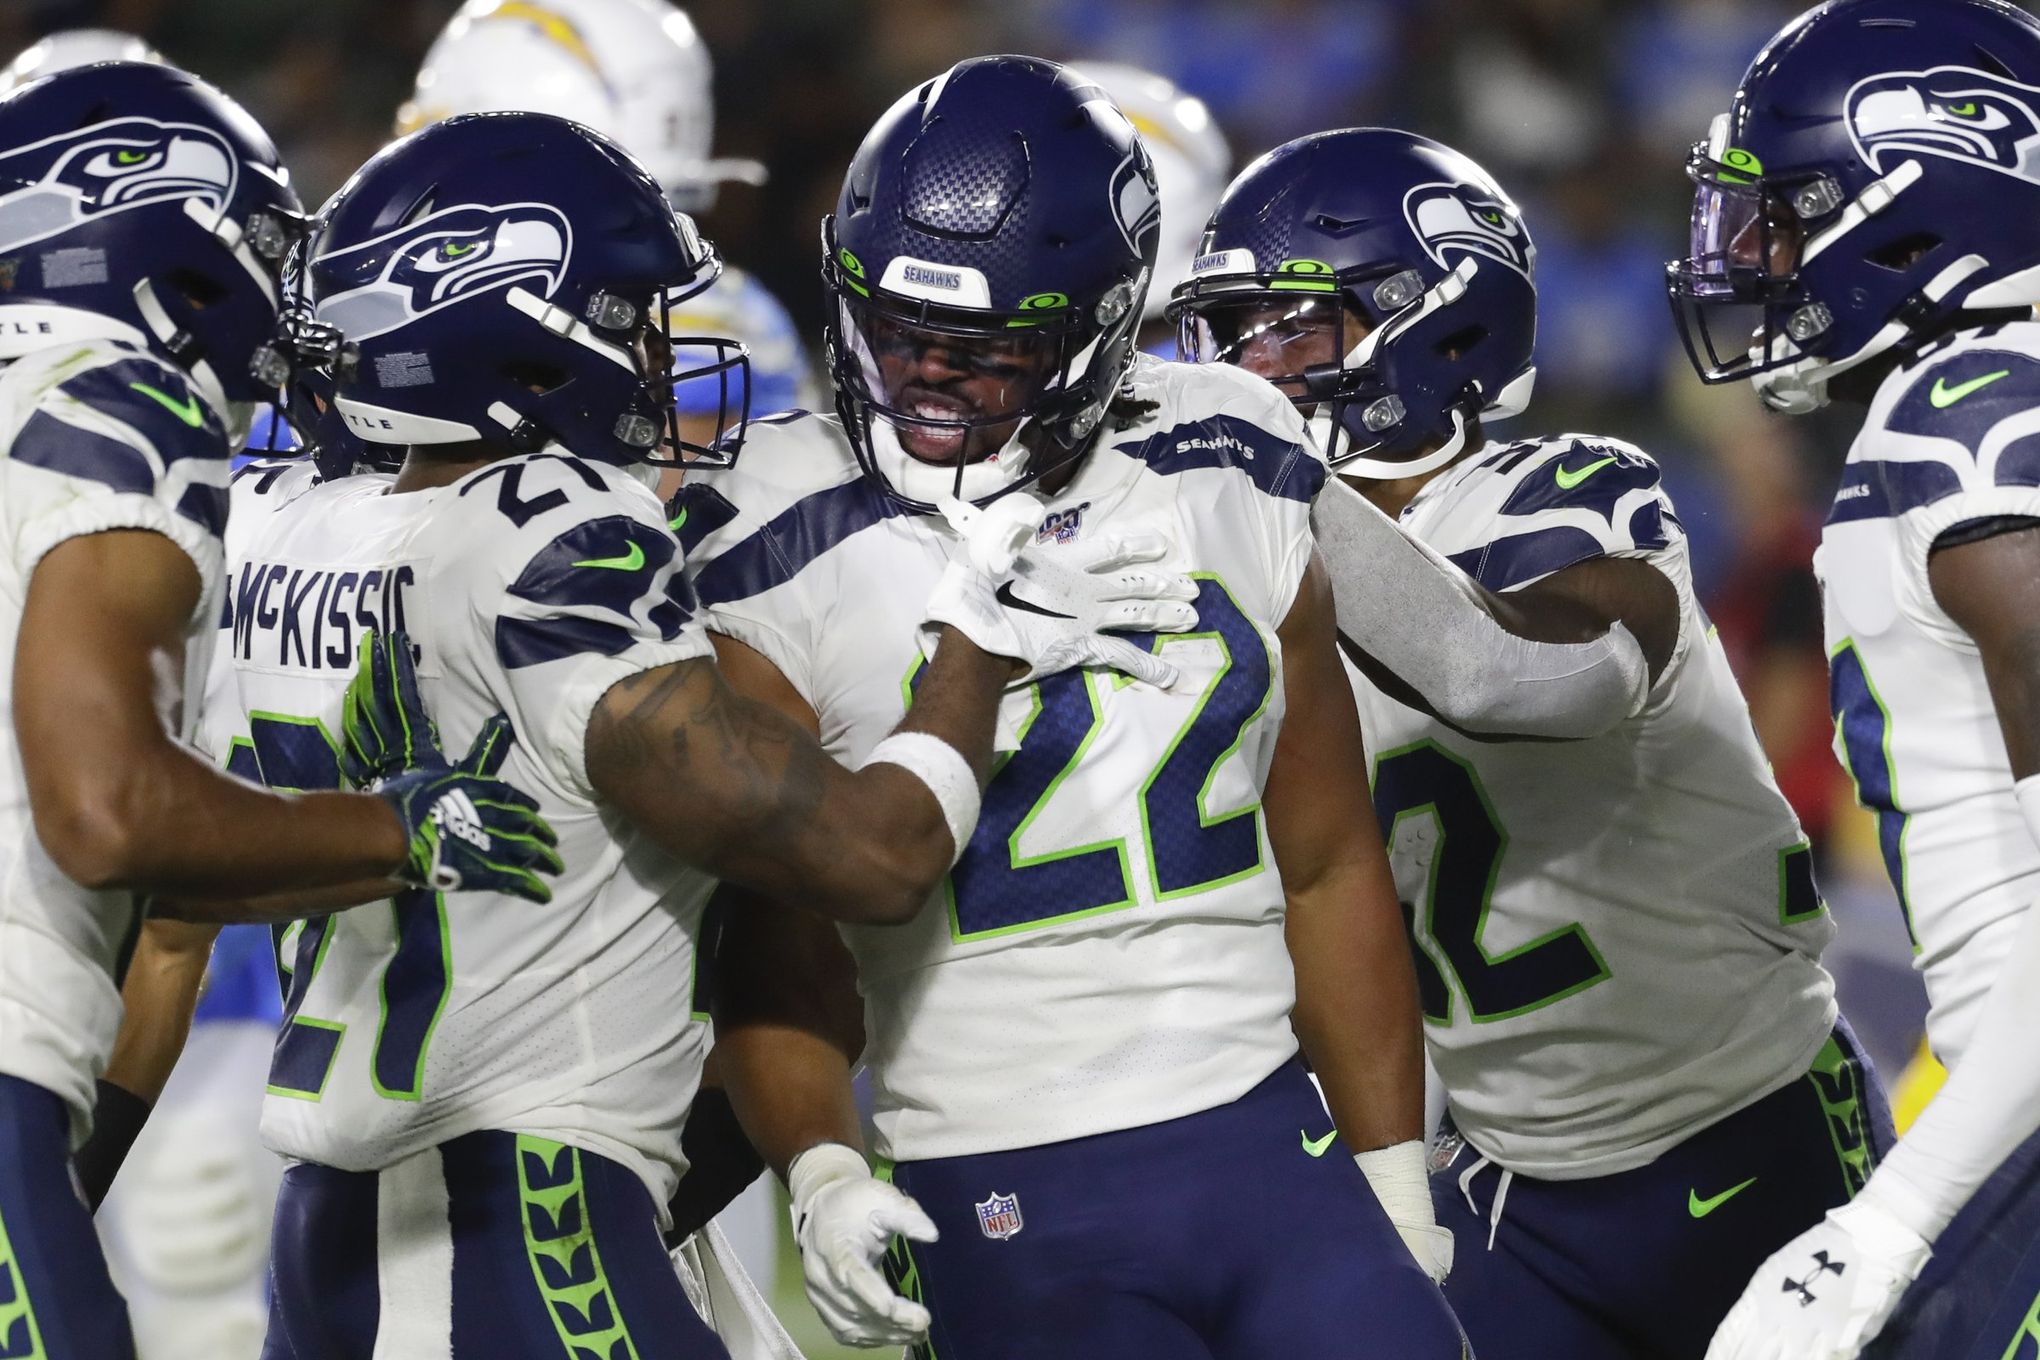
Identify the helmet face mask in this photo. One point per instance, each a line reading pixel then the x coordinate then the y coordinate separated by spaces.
pixel 975 341
pixel 1871 186
pixel 1382 282
pixel 165 226
pixel 539 320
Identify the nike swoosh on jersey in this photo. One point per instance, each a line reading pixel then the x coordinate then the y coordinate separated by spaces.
pixel 630 561
pixel 1944 396
pixel 1005 596
pixel 1568 480
pixel 186 410
pixel 1700 1208
pixel 1316 1147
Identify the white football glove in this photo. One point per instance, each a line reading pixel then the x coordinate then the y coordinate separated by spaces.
pixel 844 1218
pixel 1049 606
pixel 1825 1294
pixel 1398 1177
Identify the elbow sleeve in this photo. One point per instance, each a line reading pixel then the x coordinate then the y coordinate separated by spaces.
pixel 1424 619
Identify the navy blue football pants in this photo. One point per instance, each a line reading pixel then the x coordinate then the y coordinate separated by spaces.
pixel 1979 1297
pixel 1218 1236
pixel 506 1246
pixel 1644 1264
pixel 56 1299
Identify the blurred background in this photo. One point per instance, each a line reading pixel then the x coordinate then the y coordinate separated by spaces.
pixel 1584 109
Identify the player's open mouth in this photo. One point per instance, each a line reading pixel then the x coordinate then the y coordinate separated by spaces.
pixel 934 443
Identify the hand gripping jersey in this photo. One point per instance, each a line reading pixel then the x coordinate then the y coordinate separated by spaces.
pixel 1618 939
pixel 93 437
pixel 1954 437
pixel 529 587
pixel 1108 952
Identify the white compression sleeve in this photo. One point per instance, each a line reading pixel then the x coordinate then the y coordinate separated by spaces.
pixel 1991 1103
pixel 1423 618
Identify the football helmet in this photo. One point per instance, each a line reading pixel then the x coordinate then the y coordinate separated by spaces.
pixel 1192 163
pixel 75 47
pixel 138 203
pixel 634 70
pixel 1401 263
pixel 506 277
pixel 1877 176
pixel 986 265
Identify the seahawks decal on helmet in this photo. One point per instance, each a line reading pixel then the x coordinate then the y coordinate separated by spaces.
pixel 1456 217
pixel 1951 111
pixel 447 257
pixel 1135 204
pixel 53 185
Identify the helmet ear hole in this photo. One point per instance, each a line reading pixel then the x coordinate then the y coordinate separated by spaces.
pixel 539 379
pixel 1460 343
pixel 1905 252
pixel 201 292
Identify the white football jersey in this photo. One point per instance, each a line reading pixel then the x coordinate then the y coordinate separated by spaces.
pixel 528 587
pixel 256 492
pixel 1952 438
pixel 93 437
pixel 1108 951
pixel 1618 939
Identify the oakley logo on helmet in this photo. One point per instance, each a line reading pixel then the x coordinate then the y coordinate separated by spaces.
pixel 1135 205
pixel 1953 112
pixel 454 254
pixel 1456 217
pixel 62 181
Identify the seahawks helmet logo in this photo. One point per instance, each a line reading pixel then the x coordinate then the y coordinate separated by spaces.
pixel 450 256
pixel 1459 218
pixel 1135 204
pixel 1951 111
pixel 51 186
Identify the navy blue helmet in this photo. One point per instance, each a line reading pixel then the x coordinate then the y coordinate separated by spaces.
pixel 1876 177
pixel 139 203
pixel 987 262
pixel 506 277
pixel 1383 281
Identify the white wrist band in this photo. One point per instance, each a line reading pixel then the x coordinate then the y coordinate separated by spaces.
pixel 947 774
pixel 1399 1180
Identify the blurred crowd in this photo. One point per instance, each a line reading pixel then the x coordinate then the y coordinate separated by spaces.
pixel 1584 109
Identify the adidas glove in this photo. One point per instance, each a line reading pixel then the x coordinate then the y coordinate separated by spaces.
pixel 467 831
pixel 1050 606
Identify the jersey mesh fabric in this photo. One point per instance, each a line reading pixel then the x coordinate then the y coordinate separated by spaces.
pixel 93 437
pixel 1109 952
pixel 1618 938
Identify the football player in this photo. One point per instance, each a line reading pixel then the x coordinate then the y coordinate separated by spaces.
pixel 484 1107
pixel 1095 1134
pixel 637 72
pixel 1616 925
pixel 143 218
pixel 1864 233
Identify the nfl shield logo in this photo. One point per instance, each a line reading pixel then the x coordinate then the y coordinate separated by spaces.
pixel 999 1216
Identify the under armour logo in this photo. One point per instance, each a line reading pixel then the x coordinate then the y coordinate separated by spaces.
pixel 1821 1264
pixel 456 814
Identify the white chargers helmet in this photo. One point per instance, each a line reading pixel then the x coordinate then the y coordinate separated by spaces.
pixel 1192 163
pixel 634 70
pixel 76 47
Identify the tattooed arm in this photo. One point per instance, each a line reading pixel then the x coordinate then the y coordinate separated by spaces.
pixel 736 788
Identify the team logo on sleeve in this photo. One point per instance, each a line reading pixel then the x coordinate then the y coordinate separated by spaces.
pixel 452 255
pixel 1455 218
pixel 50 186
pixel 999 1216
pixel 1952 112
